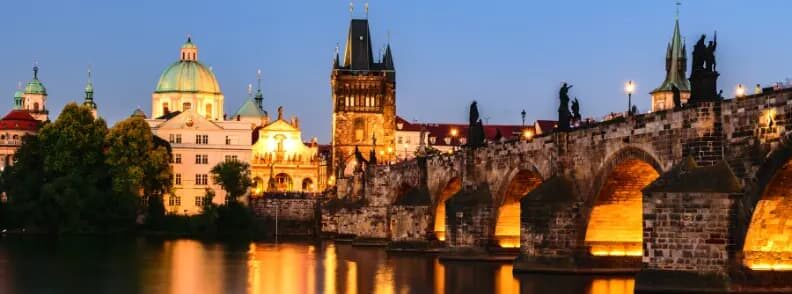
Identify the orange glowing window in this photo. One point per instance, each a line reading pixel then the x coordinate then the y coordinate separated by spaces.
pixel 615 226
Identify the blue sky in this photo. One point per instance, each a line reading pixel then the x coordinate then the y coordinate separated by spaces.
pixel 508 55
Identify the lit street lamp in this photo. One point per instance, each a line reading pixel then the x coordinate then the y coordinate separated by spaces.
pixel 629 88
pixel 740 91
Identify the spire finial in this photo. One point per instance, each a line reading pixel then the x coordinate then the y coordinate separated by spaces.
pixel 258 79
pixel 366 8
pixel 250 90
pixel 189 38
pixel 678 3
pixel 90 81
pixel 35 70
pixel 351 8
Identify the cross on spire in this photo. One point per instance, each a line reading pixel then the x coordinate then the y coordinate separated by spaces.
pixel 258 78
pixel 351 8
pixel 366 8
pixel 678 3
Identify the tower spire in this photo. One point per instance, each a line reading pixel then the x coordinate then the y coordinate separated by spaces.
pixel 259 95
pixel 35 70
pixel 89 93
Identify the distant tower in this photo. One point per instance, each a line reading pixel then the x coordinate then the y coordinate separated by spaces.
pixel 35 100
pixel 19 97
pixel 89 99
pixel 676 68
pixel 364 99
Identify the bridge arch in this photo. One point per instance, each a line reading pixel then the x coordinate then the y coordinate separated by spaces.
pixel 614 222
pixel 506 224
pixel 764 237
pixel 451 187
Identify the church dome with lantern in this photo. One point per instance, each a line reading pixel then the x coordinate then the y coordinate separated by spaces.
pixel 188 84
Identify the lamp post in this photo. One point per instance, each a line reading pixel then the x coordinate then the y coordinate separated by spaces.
pixel 523 117
pixel 629 88
pixel 454 133
pixel 740 91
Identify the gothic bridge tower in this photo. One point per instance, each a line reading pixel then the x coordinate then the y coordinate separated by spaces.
pixel 364 100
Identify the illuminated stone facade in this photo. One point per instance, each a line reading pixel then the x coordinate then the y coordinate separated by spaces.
pixel 364 101
pixel 282 162
pixel 198 144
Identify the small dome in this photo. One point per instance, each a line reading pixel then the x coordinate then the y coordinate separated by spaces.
pixel 138 113
pixel 188 76
pixel 19 94
pixel 189 44
pixel 35 87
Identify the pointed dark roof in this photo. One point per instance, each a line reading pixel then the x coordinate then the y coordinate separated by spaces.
pixel 358 54
pixel 387 59
pixel 676 63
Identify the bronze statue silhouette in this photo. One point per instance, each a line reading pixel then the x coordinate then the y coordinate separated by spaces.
pixel 563 108
pixel 710 56
pixel 677 97
pixel 699 55
pixel 576 110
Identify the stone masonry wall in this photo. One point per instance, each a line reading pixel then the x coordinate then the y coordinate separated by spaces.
pixel 409 223
pixel 368 222
pixel 687 232
pixel 297 217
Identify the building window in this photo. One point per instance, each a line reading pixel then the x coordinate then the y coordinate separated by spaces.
pixel 165 109
pixel 174 201
pixel 202 139
pixel 228 140
pixel 177 180
pixel 208 111
pixel 231 158
pixel 174 138
pixel 399 140
pixel 186 106
pixel 201 179
pixel 360 129
pixel 283 182
pixel 202 159
pixel 200 201
pixel 177 158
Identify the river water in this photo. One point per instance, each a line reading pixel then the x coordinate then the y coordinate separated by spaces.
pixel 147 265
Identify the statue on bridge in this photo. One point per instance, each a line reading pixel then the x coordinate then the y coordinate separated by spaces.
pixel 677 97
pixel 564 116
pixel 703 78
pixel 475 128
pixel 576 110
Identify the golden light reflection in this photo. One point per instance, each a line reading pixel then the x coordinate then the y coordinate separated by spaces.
pixel 351 279
pixel 282 268
pixel 507 225
pixel 612 286
pixel 439 276
pixel 330 267
pixel 453 186
pixel 505 282
pixel 615 226
pixel 191 261
pixel 383 281
pixel 768 244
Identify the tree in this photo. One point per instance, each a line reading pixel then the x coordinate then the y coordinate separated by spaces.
pixel 138 162
pixel 233 176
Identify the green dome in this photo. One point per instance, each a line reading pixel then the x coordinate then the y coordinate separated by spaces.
pixel 35 87
pixel 19 94
pixel 188 76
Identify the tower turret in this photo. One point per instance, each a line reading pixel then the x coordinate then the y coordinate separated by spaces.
pixel 676 68
pixel 89 95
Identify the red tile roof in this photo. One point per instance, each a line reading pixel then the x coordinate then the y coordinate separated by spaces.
pixel 19 120
pixel 440 131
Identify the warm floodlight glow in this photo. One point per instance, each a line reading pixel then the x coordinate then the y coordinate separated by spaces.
pixel 453 186
pixel 507 225
pixel 528 134
pixel 768 245
pixel 740 91
pixel 629 88
pixel 454 132
pixel 615 226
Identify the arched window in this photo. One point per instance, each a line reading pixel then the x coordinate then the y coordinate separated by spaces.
pixel 360 129
pixel 307 185
pixel 208 111
pixel 165 109
pixel 35 106
pixel 283 182
pixel 186 106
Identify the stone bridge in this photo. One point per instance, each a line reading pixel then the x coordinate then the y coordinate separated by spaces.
pixel 695 197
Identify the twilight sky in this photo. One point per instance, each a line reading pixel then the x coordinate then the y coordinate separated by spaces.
pixel 508 55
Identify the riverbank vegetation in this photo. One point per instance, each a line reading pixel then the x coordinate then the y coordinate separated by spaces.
pixel 77 176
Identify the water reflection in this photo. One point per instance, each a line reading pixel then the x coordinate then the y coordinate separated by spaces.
pixel 187 266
